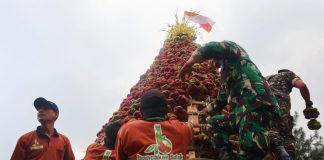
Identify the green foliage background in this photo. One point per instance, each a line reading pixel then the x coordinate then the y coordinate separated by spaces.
pixel 308 148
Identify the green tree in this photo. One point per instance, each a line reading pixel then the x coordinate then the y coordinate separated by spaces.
pixel 308 148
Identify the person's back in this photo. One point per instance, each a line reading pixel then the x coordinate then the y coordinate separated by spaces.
pixel 98 151
pixel 153 137
pixel 281 84
pixel 240 76
pixel 107 151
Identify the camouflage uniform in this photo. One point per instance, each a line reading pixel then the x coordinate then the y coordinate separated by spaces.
pixel 247 93
pixel 281 85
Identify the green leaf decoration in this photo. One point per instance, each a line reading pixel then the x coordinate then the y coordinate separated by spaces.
pixel 151 148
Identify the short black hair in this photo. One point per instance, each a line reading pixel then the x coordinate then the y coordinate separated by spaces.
pixel 111 131
pixel 284 70
pixel 153 104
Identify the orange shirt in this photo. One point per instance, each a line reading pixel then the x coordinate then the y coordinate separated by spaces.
pixel 142 139
pixel 36 145
pixel 99 152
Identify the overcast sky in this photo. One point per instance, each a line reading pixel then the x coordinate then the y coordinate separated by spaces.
pixel 85 55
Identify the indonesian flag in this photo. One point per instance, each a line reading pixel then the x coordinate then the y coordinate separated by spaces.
pixel 203 21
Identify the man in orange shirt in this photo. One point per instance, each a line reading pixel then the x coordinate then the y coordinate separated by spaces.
pixel 97 151
pixel 153 137
pixel 45 143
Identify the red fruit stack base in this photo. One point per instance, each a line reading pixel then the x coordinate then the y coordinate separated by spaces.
pixel 202 83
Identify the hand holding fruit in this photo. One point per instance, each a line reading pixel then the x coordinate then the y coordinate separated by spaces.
pixel 310 111
pixel 186 68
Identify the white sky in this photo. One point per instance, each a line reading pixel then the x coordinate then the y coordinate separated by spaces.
pixel 85 55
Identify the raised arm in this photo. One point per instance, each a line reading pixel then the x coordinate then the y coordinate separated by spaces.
pixel 304 92
pixel 195 58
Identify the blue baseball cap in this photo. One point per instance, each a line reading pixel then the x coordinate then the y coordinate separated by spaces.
pixel 41 102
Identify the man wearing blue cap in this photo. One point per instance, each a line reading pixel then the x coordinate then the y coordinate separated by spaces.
pixel 45 142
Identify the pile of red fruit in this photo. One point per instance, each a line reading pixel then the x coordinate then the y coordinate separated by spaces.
pixel 201 83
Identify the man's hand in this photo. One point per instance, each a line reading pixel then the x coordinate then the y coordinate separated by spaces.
pixel 202 115
pixel 309 104
pixel 186 68
pixel 183 71
pixel 311 112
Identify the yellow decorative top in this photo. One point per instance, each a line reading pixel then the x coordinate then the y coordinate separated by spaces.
pixel 181 30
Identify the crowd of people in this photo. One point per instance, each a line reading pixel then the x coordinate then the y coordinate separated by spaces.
pixel 259 115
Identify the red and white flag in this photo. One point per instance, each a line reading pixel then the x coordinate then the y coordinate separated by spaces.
pixel 204 22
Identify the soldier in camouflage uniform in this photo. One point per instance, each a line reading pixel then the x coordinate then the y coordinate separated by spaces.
pixel 281 85
pixel 247 93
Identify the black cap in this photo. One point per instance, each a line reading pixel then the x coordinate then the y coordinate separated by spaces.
pixel 40 102
pixel 153 99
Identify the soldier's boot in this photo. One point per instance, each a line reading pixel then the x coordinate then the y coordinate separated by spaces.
pixel 280 151
pixel 224 152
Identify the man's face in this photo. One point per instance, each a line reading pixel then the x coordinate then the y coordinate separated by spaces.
pixel 46 114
